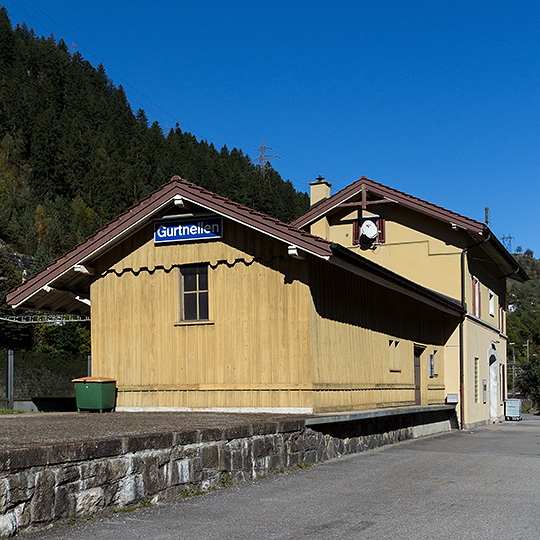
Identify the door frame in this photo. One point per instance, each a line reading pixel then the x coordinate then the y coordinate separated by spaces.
pixel 417 368
pixel 493 384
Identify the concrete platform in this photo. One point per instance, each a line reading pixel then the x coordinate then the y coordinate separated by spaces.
pixel 34 429
pixel 353 416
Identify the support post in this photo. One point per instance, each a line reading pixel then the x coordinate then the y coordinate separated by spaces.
pixel 88 366
pixel 10 379
pixel 513 370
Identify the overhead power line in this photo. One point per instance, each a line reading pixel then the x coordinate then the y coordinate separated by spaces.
pixel 120 80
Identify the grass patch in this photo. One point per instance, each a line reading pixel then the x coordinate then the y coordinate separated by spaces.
pixel 145 503
pixel 226 479
pixel 186 492
pixel 199 490
pixel 11 411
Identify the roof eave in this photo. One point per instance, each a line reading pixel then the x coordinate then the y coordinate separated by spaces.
pixel 414 203
pixel 82 253
pixel 134 218
pixel 357 264
pixel 514 270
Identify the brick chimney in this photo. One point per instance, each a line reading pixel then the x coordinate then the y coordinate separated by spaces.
pixel 319 190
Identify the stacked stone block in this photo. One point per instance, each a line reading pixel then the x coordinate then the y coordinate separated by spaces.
pixel 71 481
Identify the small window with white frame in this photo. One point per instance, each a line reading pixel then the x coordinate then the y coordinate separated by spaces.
pixel 432 372
pixel 492 303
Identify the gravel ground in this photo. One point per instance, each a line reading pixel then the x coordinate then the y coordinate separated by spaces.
pixel 26 429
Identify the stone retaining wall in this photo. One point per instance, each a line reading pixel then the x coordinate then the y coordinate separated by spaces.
pixel 71 481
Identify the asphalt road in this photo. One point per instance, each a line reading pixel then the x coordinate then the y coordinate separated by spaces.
pixel 483 484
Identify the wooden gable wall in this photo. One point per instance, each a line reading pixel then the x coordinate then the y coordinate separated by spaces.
pixel 254 351
pixel 288 334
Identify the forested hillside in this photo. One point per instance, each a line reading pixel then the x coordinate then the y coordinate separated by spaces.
pixel 524 324
pixel 73 154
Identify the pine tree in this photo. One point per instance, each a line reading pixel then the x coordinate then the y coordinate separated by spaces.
pixel 73 155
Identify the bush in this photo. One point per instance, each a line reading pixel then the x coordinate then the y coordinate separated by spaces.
pixel 530 380
pixel 42 374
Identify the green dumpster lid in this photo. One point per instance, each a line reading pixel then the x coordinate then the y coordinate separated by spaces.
pixel 94 379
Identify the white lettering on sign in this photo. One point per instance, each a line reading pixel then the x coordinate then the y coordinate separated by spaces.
pixel 201 229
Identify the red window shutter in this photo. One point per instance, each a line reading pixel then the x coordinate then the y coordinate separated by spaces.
pixel 479 300
pixel 356 233
pixel 474 283
pixel 381 229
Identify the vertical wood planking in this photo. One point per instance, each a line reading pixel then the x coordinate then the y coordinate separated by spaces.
pixel 276 321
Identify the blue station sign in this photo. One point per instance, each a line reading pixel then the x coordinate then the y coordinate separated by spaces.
pixel 203 228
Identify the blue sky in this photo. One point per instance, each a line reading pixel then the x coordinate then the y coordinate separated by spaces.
pixel 438 99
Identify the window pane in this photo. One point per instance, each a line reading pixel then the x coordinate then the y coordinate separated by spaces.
pixel 203 278
pixel 194 297
pixel 190 281
pixel 203 306
pixel 190 307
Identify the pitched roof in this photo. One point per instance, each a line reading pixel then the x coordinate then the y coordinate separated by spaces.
pixel 366 190
pixel 67 279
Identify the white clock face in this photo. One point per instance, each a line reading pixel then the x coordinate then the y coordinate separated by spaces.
pixel 369 229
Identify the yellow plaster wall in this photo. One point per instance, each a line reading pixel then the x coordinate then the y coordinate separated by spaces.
pixel 479 340
pixel 487 283
pixel 428 252
pixel 417 253
pixel 425 251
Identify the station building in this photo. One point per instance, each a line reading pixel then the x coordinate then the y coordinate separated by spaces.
pixel 444 251
pixel 199 303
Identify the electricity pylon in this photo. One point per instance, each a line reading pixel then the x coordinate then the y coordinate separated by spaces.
pixel 263 157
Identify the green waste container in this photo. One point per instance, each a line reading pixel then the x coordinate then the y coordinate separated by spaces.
pixel 95 393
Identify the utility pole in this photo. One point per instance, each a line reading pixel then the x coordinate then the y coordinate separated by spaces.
pixel 263 157
pixel 513 369
pixel 10 392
